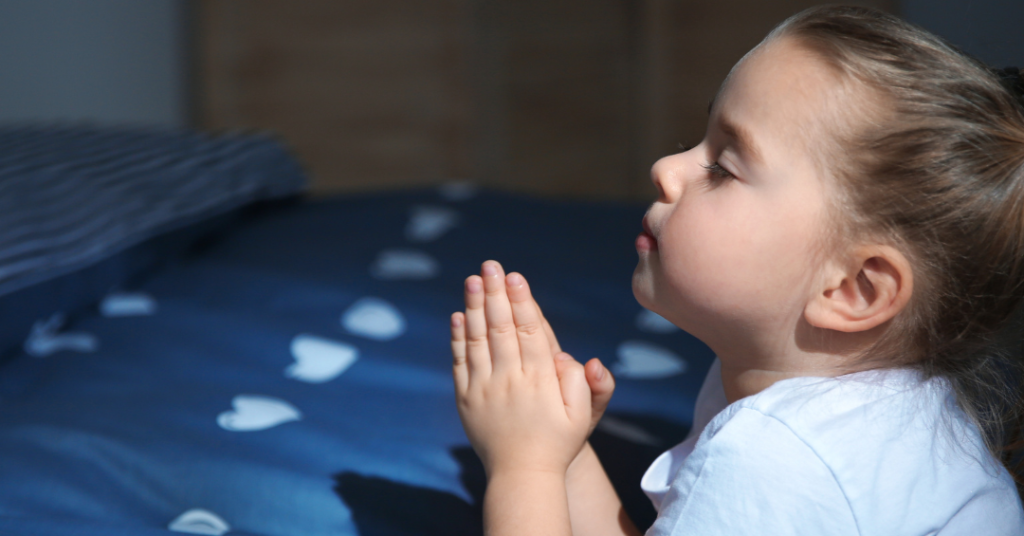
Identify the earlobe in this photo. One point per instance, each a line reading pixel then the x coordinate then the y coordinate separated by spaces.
pixel 869 291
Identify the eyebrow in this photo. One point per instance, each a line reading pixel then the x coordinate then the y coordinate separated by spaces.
pixel 740 135
pixel 742 138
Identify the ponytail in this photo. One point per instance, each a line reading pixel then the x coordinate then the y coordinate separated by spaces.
pixel 1013 80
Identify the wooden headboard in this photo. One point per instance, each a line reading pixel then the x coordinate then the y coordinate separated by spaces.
pixel 557 97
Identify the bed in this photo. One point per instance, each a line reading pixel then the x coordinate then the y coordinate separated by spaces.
pixel 191 344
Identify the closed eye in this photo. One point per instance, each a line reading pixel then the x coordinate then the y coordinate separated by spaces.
pixel 717 174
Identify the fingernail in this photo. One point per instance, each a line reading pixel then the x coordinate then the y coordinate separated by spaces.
pixel 514 280
pixel 600 373
pixel 562 356
pixel 490 270
pixel 456 321
pixel 474 286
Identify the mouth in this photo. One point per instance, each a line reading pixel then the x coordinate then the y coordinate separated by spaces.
pixel 646 240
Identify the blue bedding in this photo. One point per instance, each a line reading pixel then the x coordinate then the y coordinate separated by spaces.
pixel 291 374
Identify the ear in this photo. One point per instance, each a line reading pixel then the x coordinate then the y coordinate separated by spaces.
pixel 872 288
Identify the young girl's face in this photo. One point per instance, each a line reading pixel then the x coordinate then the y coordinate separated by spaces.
pixel 730 254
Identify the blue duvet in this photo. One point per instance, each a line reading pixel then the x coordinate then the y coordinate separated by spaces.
pixel 291 374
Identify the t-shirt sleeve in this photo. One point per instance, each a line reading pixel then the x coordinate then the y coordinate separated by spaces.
pixel 754 476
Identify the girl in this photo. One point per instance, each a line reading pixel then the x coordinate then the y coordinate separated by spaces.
pixel 848 238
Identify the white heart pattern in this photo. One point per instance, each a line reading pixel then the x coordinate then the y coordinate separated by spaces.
pixel 404 264
pixel 643 360
pixel 127 304
pixel 373 318
pixel 428 223
pixel 318 360
pixel 458 190
pixel 255 412
pixel 652 322
pixel 627 431
pixel 45 339
pixel 199 521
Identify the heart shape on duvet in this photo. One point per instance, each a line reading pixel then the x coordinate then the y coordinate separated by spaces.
pixel 392 264
pixel 199 521
pixel 373 318
pixel 256 412
pixel 318 360
pixel 644 360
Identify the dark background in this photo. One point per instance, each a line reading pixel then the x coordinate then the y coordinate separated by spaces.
pixel 572 98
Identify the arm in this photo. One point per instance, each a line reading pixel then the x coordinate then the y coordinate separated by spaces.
pixel 757 476
pixel 594 507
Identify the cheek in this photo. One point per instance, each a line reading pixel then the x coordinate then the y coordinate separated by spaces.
pixel 702 260
pixel 736 258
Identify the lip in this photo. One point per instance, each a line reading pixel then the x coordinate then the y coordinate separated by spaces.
pixel 646 241
pixel 647 227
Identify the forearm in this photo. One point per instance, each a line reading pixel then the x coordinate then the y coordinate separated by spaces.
pixel 518 503
pixel 594 507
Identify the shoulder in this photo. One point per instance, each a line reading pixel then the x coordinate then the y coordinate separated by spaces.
pixel 894 408
pixel 808 399
pixel 749 473
pixel 888 447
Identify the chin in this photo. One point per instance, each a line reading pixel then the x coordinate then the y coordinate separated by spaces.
pixel 643 287
pixel 682 313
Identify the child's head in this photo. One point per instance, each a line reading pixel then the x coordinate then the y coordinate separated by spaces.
pixel 933 163
pixel 740 218
pixel 916 152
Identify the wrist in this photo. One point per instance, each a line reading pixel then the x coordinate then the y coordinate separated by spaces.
pixel 581 461
pixel 522 462
pixel 525 479
pixel 526 501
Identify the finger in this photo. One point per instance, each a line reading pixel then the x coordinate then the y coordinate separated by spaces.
pixel 478 355
pixel 534 346
pixel 501 328
pixel 575 391
pixel 602 385
pixel 460 367
pixel 552 340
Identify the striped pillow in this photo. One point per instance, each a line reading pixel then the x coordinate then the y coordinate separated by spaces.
pixel 85 210
pixel 72 196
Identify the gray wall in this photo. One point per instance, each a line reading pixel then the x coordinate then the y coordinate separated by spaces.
pixel 102 61
pixel 992 30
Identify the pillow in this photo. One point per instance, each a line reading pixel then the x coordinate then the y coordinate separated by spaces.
pixel 83 210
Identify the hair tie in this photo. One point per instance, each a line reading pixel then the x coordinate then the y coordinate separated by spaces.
pixel 1012 80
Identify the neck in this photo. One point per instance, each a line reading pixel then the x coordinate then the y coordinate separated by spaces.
pixel 741 382
pixel 751 368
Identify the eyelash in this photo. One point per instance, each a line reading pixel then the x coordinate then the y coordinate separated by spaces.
pixel 717 172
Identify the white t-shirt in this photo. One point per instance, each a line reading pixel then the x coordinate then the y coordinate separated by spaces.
pixel 880 452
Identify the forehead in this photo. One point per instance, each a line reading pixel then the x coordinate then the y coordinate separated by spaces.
pixel 785 99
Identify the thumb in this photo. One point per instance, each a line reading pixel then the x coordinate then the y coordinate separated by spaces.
pixel 602 385
pixel 575 392
pixel 600 379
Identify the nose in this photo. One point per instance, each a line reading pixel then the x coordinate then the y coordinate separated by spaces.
pixel 667 174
